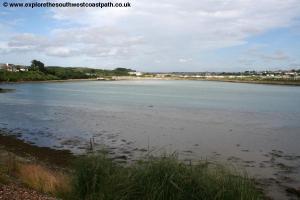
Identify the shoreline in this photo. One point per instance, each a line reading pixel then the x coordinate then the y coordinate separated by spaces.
pixel 257 82
pixel 264 82
pixel 127 78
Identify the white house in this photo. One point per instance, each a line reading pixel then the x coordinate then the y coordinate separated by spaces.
pixel 136 73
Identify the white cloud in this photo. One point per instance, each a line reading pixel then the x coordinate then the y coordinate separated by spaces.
pixel 184 60
pixel 278 55
pixel 90 42
pixel 163 30
pixel 193 25
pixel 259 52
pixel 59 51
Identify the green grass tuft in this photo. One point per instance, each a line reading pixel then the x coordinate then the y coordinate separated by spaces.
pixel 165 178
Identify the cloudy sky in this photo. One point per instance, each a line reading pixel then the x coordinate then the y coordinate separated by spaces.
pixel 157 35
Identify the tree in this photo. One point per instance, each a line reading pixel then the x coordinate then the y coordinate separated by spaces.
pixel 37 66
pixel 121 71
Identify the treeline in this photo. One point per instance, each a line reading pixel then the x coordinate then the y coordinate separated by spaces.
pixel 6 76
pixel 75 73
pixel 38 72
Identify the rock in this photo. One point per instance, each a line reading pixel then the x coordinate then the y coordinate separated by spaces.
pixel 123 157
pixel 245 150
pixel 188 151
pixel 6 90
pixel 293 191
pixel 143 150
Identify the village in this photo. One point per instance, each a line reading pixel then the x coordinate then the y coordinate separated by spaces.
pixel 13 68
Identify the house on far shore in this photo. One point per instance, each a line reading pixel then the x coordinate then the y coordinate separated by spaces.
pixel 135 73
pixel 21 68
pixel 7 67
pixel 2 66
pixel 13 68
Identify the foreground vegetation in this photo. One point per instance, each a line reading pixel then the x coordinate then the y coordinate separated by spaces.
pixel 96 177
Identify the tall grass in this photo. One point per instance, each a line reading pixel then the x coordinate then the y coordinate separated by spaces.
pixel 43 179
pixel 34 175
pixel 97 177
pixel 165 178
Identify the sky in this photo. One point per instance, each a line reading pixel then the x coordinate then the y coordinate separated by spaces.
pixel 156 35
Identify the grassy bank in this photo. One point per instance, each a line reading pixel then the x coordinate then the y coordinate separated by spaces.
pixel 96 177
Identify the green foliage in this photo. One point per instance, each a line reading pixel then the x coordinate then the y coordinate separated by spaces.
pixel 37 66
pixel 67 73
pixel 121 71
pixel 83 73
pixel 98 178
pixel 37 72
pixel 6 76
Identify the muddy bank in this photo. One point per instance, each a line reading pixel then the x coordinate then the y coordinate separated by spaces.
pixel 262 81
pixel 62 158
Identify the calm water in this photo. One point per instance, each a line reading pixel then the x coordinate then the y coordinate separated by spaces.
pixel 255 126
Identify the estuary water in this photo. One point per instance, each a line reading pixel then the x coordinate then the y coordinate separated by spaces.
pixel 253 126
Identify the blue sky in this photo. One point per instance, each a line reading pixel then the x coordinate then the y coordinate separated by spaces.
pixel 166 35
